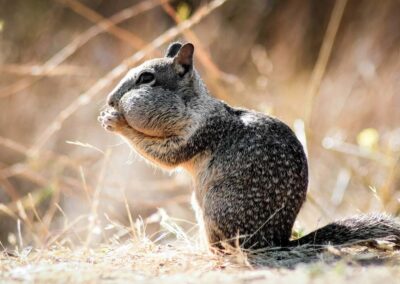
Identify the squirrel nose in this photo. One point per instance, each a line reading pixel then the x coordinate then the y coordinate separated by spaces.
pixel 113 98
pixel 110 101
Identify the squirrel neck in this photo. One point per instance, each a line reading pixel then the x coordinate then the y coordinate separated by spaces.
pixel 214 120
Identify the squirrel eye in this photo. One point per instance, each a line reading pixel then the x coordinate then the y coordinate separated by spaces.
pixel 145 78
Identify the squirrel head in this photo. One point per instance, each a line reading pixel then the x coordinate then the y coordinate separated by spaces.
pixel 158 97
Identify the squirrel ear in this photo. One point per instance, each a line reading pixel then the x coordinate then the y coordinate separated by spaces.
pixel 173 49
pixel 184 58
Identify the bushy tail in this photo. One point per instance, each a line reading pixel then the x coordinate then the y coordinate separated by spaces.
pixel 354 229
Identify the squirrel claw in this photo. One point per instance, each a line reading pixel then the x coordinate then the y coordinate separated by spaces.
pixel 111 120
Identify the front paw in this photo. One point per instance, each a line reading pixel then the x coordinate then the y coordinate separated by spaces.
pixel 112 120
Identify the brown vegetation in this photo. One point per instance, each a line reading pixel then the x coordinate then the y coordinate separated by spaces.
pixel 73 195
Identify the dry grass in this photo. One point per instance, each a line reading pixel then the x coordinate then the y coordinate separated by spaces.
pixel 143 260
pixel 86 272
pixel 71 196
pixel 181 258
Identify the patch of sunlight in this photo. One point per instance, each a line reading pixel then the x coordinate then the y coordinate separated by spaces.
pixel 183 11
pixel 368 138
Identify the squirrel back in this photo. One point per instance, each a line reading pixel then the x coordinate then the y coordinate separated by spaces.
pixel 250 171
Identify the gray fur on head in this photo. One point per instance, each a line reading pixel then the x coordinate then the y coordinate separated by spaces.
pixel 161 97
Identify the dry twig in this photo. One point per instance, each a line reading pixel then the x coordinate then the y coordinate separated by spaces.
pixel 323 58
pixel 78 42
pixel 119 70
pixel 81 9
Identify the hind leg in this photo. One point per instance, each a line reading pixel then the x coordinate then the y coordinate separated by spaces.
pixel 211 238
pixel 204 244
pixel 215 238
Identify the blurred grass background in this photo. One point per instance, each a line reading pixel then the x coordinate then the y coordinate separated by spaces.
pixel 330 69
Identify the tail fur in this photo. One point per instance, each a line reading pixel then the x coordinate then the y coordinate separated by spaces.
pixel 354 229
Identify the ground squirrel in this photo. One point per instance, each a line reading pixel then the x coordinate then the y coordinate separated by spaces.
pixel 250 171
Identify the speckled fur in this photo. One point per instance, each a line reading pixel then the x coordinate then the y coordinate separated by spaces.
pixel 249 169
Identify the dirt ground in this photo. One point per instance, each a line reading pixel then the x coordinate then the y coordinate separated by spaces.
pixel 150 263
